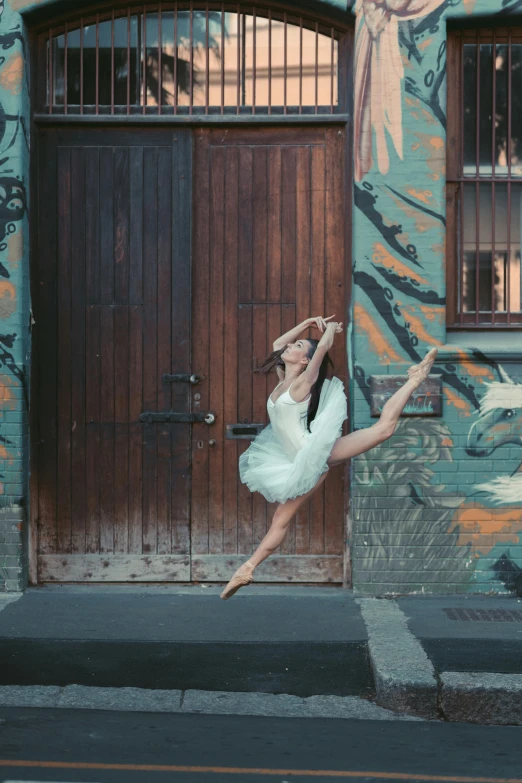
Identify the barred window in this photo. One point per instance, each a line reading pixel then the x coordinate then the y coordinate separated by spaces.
pixel 190 58
pixel 484 178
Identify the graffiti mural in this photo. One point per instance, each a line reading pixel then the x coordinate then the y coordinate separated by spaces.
pixel 429 512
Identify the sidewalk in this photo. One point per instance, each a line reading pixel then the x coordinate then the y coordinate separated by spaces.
pixel 449 657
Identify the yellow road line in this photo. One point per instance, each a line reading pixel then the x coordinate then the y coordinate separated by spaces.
pixel 312 773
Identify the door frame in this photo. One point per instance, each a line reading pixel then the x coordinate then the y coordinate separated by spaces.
pixel 38 120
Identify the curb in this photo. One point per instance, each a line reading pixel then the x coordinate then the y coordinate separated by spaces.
pixel 193 701
pixel 405 679
pixel 478 697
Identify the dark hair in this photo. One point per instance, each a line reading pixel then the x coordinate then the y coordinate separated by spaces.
pixel 274 360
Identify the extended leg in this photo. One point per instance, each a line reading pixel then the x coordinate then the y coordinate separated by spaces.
pixel 280 522
pixel 363 440
pixel 273 539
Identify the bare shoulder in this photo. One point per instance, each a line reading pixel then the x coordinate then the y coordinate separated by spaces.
pixel 300 388
pixel 280 373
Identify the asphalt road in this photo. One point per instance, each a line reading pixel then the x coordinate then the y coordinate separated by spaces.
pixel 69 746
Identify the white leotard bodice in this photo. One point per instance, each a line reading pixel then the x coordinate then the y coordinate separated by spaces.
pixel 288 420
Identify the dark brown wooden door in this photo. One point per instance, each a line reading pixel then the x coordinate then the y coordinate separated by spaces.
pixel 269 251
pixel 112 309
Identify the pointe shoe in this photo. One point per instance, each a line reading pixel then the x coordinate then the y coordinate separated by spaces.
pixel 419 372
pixel 243 576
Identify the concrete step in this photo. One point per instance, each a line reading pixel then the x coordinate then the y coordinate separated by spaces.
pixel 296 641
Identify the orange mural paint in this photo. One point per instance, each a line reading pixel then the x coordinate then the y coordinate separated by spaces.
pixel 478 525
pixel 433 313
pixel 383 257
pixel 7 299
pixel 474 369
pixel 11 75
pixel 381 347
pixel 7 399
pixel 15 248
pixel 426 196
pixel 453 399
pixel 417 327
pixel 423 222
pixel 430 119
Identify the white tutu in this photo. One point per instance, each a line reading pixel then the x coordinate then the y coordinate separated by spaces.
pixel 266 468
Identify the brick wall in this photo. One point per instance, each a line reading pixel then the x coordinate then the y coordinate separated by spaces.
pixel 13 550
pixel 14 302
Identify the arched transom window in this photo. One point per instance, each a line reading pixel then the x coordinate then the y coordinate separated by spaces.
pixel 191 59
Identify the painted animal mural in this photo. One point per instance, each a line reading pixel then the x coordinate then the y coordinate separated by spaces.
pixel 499 423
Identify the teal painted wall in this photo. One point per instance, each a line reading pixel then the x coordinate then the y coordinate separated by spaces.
pixel 14 299
pixel 426 515
pixel 429 512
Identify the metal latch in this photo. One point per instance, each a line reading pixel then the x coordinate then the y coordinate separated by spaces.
pixel 171 417
pixel 183 377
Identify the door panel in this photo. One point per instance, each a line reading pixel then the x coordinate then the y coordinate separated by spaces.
pixel 268 252
pixel 112 317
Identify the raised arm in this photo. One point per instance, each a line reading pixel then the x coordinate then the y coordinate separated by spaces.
pixel 294 333
pixel 306 380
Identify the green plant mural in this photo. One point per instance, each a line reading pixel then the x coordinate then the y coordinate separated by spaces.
pixel 402 516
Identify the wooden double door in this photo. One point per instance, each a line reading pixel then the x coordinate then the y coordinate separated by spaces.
pixel 165 264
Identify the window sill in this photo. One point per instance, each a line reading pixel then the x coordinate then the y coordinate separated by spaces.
pixel 495 344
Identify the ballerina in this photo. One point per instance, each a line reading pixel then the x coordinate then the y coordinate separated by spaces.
pixel 290 458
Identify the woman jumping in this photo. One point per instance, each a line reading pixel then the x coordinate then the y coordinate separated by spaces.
pixel 290 458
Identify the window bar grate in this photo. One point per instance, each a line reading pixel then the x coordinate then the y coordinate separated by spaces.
pixel 254 63
pixel 191 45
pixel 222 107
pixel 493 215
pixel 160 62
pixel 270 62
pixel 461 186
pixel 508 250
pixel 477 189
pixel 128 58
pixel 477 250
pixel 50 75
pixel 285 65
pixel 112 63
pixel 332 69
pixel 317 67
pixel 175 59
pixel 81 65
pixel 239 59
pixel 97 86
pixel 207 61
pixel 493 160
pixel 143 46
pixel 493 114
pixel 300 65
pixel 65 69
pixel 144 58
